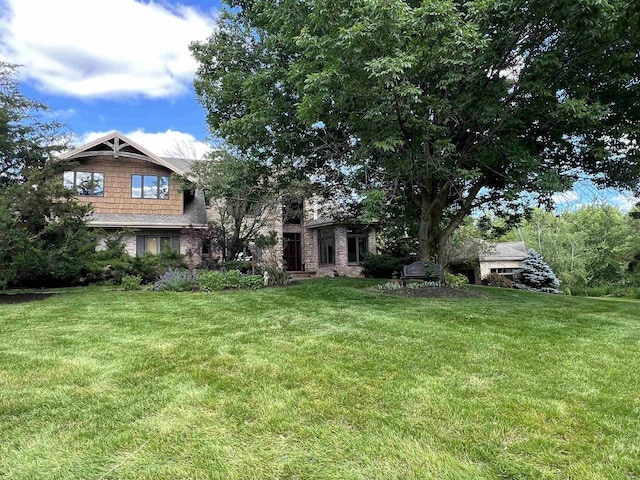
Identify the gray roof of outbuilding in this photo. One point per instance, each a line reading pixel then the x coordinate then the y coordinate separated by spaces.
pixel 505 251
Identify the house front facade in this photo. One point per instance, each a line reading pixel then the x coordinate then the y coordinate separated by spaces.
pixel 138 194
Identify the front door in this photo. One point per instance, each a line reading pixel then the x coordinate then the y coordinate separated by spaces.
pixel 292 254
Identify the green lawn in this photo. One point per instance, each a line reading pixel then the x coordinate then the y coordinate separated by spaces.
pixel 322 380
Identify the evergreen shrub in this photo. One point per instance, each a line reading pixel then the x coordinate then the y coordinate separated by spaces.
pixel 537 275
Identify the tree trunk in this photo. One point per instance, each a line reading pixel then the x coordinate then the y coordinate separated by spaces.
pixel 433 235
pixel 430 232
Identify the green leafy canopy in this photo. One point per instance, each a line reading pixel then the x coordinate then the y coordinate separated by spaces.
pixel 446 106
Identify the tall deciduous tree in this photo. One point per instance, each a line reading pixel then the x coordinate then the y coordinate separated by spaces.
pixel 43 236
pixel 443 105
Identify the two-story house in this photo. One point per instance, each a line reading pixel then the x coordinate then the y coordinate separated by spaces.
pixel 134 190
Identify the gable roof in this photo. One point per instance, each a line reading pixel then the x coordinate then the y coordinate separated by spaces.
pixel 505 251
pixel 118 145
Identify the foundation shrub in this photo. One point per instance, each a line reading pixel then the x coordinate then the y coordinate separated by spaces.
pixel 383 265
pixel 212 280
pixel 497 280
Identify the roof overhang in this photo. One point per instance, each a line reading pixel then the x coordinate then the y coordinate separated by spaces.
pixel 326 222
pixel 157 226
pixel 115 144
pixel 504 259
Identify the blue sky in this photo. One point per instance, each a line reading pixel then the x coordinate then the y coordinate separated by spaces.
pixel 105 65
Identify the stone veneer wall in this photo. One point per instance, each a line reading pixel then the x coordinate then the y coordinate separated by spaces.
pixel 117 187
pixel 342 267
pixel 308 243
pixel 485 267
pixel 186 245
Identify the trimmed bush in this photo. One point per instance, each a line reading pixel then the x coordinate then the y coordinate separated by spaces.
pixel 383 265
pixel 175 280
pixel 212 280
pixel 497 280
pixel 456 279
pixel 131 282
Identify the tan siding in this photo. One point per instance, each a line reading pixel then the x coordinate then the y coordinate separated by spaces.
pixel 117 187
pixel 485 267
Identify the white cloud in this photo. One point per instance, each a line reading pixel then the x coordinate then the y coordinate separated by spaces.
pixel 569 196
pixel 169 143
pixel 103 48
pixel 624 202
pixel 59 115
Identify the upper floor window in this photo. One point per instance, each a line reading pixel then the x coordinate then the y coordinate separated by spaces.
pixel 85 183
pixel 292 211
pixel 149 186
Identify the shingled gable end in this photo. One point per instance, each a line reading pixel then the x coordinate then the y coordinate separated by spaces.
pixel 132 189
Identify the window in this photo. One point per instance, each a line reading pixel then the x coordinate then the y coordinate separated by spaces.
pixel 85 183
pixel 356 245
pixel 149 186
pixel 504 270
pixel 509 273
pixel 327 246
pixel 156 244
pixel 292 211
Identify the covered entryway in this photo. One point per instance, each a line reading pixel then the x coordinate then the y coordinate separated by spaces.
pixel 292 254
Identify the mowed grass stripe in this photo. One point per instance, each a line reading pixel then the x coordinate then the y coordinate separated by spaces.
pixel 325 379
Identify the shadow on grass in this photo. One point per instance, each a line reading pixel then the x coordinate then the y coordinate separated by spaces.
pixel 6 298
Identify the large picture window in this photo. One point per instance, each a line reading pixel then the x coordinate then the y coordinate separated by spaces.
pixel 85 183
pixel 150 186
pixel 356 245
pixel 327 246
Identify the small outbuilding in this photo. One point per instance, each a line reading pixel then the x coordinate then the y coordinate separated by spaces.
pixel 479 258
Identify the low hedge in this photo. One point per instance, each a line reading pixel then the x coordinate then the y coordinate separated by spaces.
pixel 214 280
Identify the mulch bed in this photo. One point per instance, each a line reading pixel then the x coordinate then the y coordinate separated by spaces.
pixel 434 292
pixel 22 297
